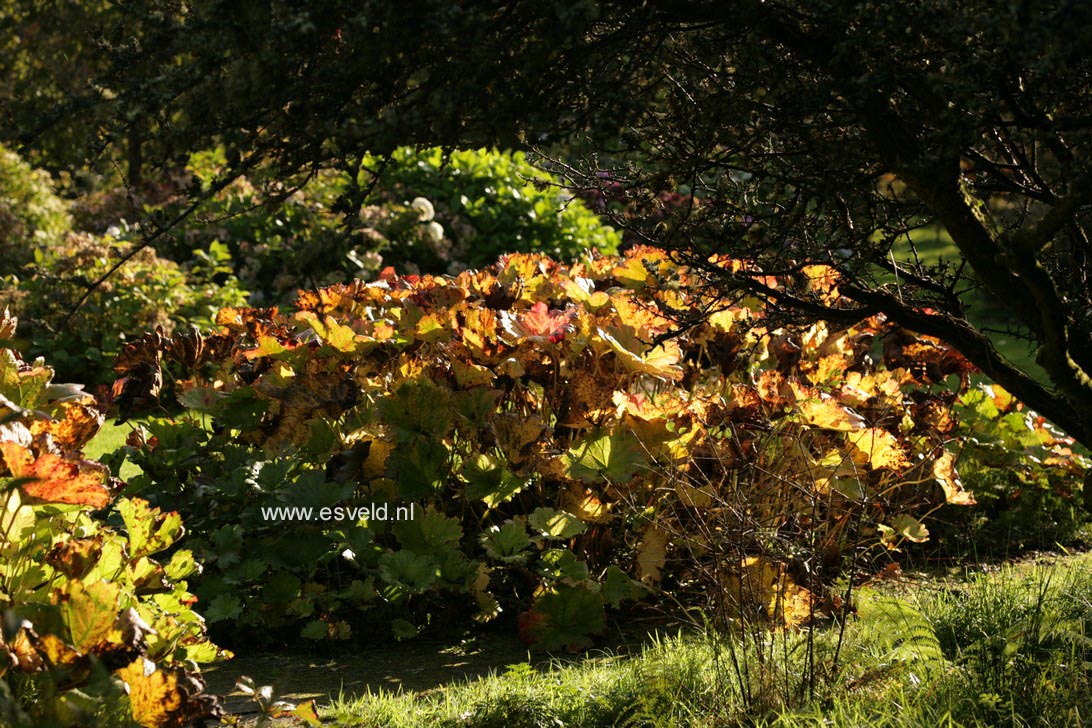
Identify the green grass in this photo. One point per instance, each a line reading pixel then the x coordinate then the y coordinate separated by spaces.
pixel 110 437
pixel 1006 648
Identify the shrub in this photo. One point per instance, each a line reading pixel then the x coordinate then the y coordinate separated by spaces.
pixel 559 453
pixel 429 212
pixel 146 293
pixel 1027 478
pixel 95 629
pixel 488 202
pixel 32 217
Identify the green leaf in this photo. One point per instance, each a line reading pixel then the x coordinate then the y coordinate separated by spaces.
pixel 489 480
pixel 181 565
pixel 475 407
pixel 314 630
pixel 618 587
pixel 910 528
pixel 360 592
pixel 552 523
pixel 201 399
pixel 225 607
pixel 430 533
pixel 314 490
pixel 567 617
pixel 615 457
pixel 404 630
pixel 410 571
pixel 419 468
pixel 562 565
pixel 507 543
pixel 281 588
pixel 302 550
pixel 150 530
pixel 16 519
pixel 417 409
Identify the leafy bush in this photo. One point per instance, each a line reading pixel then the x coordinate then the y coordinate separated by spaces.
pixel 429 212
pixel 488 203
pixel 95 630
pixel 557 454
pixel 32 217
pixel 1026 476
pixel 146 293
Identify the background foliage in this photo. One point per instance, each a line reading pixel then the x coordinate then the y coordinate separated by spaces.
pixel 32 217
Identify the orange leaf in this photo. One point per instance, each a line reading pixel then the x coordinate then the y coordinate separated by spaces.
pixel 75 423
pixel 54 479
pixel 540 324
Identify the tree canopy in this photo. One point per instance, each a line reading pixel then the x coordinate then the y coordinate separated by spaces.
pixel 785 133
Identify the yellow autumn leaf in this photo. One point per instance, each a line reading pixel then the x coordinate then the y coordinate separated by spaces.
pixel 652 555
pixel 584 504
pixel 660 361
pixel 945 473
pixel 165 697
pixel 763 586
pixel 826 414
pixel 879 448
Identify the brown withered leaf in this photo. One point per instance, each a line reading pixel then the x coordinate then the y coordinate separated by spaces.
pixel 8 325
pixel 20 651
pixel 76 557
pixel 191 349
pixel 141 354
pixel 652 555
pixel 589 400
pixel 126 641
pixel 515 434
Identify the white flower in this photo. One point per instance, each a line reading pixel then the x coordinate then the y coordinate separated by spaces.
pixel 425 211
pixel 434 231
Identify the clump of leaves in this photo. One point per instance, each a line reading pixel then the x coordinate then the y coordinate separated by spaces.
pixel 552 447
pixel 91 619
